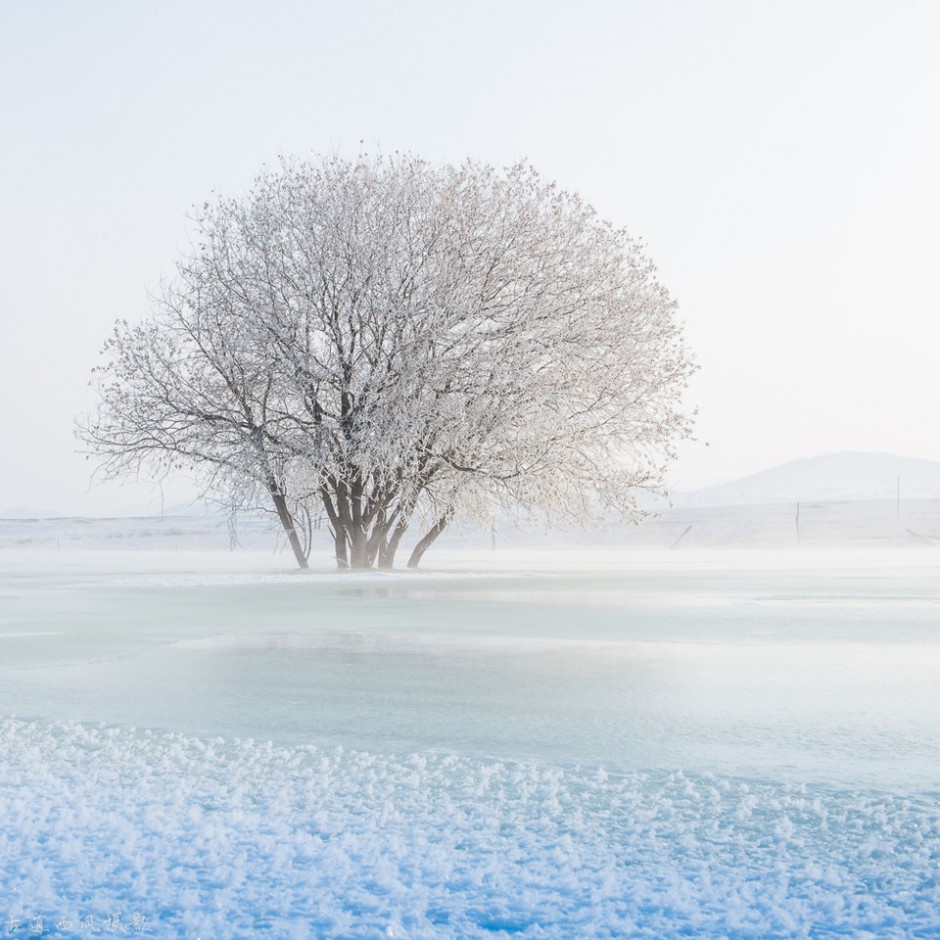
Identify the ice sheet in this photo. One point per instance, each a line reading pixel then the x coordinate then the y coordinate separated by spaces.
pixel 824 674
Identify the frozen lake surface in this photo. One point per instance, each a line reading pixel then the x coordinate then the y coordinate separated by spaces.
pixel 716 744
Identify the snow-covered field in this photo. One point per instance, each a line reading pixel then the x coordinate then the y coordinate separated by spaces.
pixel 538 744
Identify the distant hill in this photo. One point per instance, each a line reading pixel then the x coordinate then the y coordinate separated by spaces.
pixel 830 478
pixel 197 508
pixel 18 512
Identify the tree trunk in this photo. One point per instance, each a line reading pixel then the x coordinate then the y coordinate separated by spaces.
pixel 287 521
pixel 339 528
pixel 426 542
pixel 342 551
pixel 378 542
pixel 358 548
pixel 389 547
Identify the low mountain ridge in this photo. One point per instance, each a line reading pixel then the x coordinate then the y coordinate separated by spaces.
pixel 19 512
pixel 842 477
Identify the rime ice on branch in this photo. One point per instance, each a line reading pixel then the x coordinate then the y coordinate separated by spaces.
pixel 386 343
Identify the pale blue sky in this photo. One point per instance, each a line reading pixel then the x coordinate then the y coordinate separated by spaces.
pixel 779 158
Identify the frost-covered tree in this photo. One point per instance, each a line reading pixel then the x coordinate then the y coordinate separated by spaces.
pixel 383 342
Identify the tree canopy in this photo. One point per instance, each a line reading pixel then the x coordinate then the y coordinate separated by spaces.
pixel 386 343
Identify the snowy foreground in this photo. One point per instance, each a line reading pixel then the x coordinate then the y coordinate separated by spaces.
pixel 705 744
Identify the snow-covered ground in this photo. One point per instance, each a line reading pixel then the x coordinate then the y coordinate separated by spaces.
pixel 541 743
